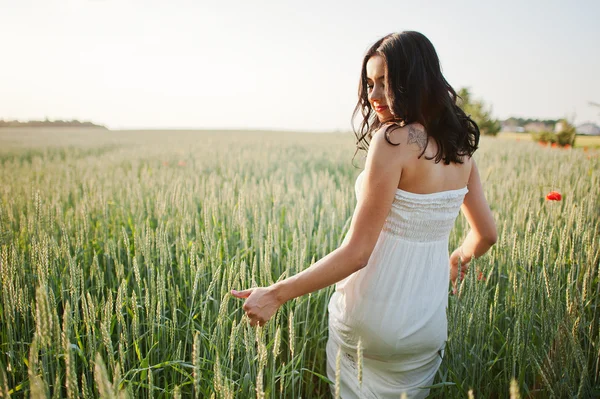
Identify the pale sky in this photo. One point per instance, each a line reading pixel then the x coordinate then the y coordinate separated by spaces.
pixel 290 65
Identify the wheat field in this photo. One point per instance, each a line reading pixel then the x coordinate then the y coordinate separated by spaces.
pixel 118 251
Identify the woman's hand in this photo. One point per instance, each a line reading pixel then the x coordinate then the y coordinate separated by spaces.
pixel 456 258
pixel 261 304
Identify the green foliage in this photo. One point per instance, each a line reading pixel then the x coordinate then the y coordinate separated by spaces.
pixel 544 137
pixel 479 113
pixel 566 136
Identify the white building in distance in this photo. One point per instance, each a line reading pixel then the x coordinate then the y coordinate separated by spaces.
pixel 589 128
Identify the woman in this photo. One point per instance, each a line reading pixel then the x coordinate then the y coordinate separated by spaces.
pixel 392 269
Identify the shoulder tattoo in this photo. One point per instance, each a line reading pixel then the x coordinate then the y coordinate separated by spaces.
pixel 417 136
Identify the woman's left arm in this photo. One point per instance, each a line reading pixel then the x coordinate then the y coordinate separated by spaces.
pixel 383 169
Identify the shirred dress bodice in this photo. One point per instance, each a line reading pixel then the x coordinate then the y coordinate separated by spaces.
pixel 421 217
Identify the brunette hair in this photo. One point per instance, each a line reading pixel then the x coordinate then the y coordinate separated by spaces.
pixel 416 91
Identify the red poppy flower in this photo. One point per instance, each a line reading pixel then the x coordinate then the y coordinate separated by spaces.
pixel 567 146
pixel 553 196
pixel 554 145
pixel 481 277
pixel 181 163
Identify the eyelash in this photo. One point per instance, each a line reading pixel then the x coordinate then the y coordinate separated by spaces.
pixel 370 86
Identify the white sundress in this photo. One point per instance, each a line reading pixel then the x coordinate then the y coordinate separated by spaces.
pixel 396 304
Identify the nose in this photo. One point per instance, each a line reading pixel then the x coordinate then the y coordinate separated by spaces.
pixel 376 93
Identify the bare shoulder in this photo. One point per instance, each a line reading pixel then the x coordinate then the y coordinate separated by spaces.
pixel 412 135
pixel 409 138
pixel 391 133
pixel 387 144
pixel 470 164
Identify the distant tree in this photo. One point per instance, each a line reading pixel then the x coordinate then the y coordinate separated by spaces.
pixel 48 123
pixel 564 136
pixel 566 133
pixel 478 112
pixel 551 123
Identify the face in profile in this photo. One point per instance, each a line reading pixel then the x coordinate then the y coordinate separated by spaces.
pixel 375 69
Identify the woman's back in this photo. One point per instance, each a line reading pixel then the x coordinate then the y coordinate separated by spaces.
pixel 422 175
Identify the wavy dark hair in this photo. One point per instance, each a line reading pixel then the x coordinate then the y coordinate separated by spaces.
pixel 416 91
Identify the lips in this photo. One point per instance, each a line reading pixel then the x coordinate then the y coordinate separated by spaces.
pixel 380 108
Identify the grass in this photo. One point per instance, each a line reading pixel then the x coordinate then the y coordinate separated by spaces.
pixel 118 251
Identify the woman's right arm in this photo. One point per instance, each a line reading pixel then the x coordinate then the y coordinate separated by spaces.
pixel 483 233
